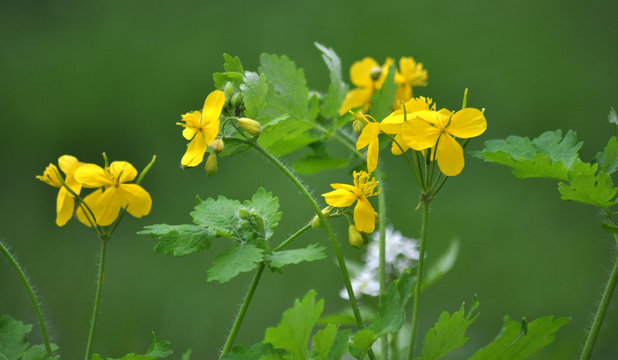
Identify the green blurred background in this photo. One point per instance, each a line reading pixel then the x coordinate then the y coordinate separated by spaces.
pixel 86 77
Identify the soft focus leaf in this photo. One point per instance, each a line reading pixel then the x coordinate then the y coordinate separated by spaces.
pixel 254 90
pixel 323 341
pixel 236 259
pixel 337 88
pixel 589 187
pixel 311 164
pixel 608 159
pixel 550 155
pixel 612 117
pixel 449 333
pixel 156 350
pixel 517 342
pixel 13 338
pixel 256 352
pixel 383 99
pixel 312 252
pixel 294 330
pixel 179 240
pixel 391 309
pixel 361 342
pixel 267 206
pixel 233 72
pixel 442 265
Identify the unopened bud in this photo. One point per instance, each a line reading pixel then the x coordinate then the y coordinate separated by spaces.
pixel 243 213
pixel 228 90
pixel 316 222
pixel 375 73
pixel 355 237
pixel 236 99
pixel 251 126
pixel 211 164
pixel 217 145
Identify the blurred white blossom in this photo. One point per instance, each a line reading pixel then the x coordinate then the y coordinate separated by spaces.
pixel 401 253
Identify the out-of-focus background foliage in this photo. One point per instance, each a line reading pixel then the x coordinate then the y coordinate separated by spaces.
pixel 86 77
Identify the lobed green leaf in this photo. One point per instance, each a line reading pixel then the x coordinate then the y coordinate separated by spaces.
pixel 236 259
pixel 608 159
pixel 179 240
pixel 310 253
pixel 256 352
pixel 233 72
pixel 14 342
pixel 391 309
pixel 156 350
pixel 589 187
pixel 254 90
pixel 337 88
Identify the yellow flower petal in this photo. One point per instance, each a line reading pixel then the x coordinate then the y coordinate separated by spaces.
pixel 419 134
pixel 347 187
pixel 195 151
pixel 449 155
pixel 137 200
pixel 92 176
pixel 90 200
pixel 399 145
pixel 363 216
pixel 107 206
pixel 392 123
pixel 402 94
pixel 360 72
pixel 211 131
pixel 467 123
pixel 368 135
pixel 49 176
pixel 212 106
pixel 439 119
pixel 64 207
pixel 372 155
pixel 339 198
pixel 192 123
pixel 385 68
pixel 356 98
pixel 124 169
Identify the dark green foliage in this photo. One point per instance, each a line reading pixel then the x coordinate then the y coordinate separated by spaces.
pixel 14 342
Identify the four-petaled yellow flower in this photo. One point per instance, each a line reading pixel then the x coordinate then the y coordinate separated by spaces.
pixel 392 123
pixel 345 195
pixel 410 74
pixel 113 193
pixel 65 203
pixel 369 137
pixel 368 76
pixel 202 128
pixel 435 129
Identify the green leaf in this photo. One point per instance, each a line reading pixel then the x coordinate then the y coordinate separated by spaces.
pixel 233 72
pixel 310 253
pixel 589 187
pixel 449 333
pixel 361 342
pixel 156 350
pixel 267 206
pixel 383 99
pixel 13 338
pixel 337 88
pixel 443 264
pixel 608 159
pixel 179 240
pixel 329 344
pixel 611 228
pixel 391 309
pixel 517 341
pixel 311 164
pixel 254 90
pixel 612 117
pixel 236 259
pixel 549 155
pixel 186 355
pixel 220 215
pixel 287 94
pixel 256 352
pixel 294 330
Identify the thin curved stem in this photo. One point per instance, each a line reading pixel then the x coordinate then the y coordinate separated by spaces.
pixel 97 299
pixel 593 333
pixel 33 299
pixel 243 310
pixel 316 209
pixel 419 279
pixel 287 241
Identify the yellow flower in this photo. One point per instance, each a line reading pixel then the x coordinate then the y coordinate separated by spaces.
pixel 345 195
pixel 113 193
pixel 368 76
pixel 369 138
pixel 410 74
pixel 392 123
pixel 65 203
pixel 201 128
pixel 429 129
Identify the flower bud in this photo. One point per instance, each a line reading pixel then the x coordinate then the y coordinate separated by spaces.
pixel 243 213
pixel 236 99
pixel 211 164
pixel 251 126
pixel 355 237
pixel 375 73
pixel 228 90
pixel 217 145
pixel 316 223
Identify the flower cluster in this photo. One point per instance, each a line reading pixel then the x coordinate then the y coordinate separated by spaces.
pixel 401 254
pixel 103 205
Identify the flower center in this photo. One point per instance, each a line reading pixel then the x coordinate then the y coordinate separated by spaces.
pixel 365 185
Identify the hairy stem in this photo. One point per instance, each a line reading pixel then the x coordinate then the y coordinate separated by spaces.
pixel 382 267
pixel 243 310
pixel 593 333
pixel 419 278
pixel 97 299
pixel 31 294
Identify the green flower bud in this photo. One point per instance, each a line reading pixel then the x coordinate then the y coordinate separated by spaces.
pixel 375 73
pixel 228 90
pixel 243 213
pixel 355 237
pixel 237 99
pixel 316 223
pixel 217 145
pixel 251 126
pixel 211 164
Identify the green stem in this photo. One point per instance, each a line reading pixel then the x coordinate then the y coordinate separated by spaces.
pixel 419 278
pixel 382 267
pixel 292 237
pixel 316 209
pixel 243 310
pixel 97 299
pixel 395 347
pixel 601 310
pixel 33 298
